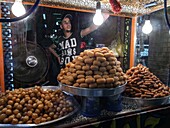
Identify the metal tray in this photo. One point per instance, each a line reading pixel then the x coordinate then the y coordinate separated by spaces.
pixel 145 102
pixel 94 92
pixel 68 97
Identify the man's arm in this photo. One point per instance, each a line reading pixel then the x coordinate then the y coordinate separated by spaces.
pixel 53 52
pixel 92 27
pixel 88 30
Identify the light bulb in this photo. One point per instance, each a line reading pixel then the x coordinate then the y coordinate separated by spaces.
pixel 147 27
pixel 98 17
pixel 18 8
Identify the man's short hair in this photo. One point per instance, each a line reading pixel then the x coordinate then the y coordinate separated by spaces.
pixel 66 16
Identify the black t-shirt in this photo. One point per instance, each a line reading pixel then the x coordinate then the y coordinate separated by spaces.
pixel 70 47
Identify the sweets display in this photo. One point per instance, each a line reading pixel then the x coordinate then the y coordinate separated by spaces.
pixel 33 106
pixel 96 68
pixel 144 84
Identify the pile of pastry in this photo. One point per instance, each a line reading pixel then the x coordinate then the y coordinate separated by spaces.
pixel 33 106
pixel 95 68
pixel 144 84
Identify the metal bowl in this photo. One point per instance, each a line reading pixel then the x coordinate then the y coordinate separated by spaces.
pixel 145 102
pixel 93 92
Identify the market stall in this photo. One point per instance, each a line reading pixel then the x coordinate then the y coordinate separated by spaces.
pixel 106 85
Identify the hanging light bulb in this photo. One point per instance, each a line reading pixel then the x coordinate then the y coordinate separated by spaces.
pixel 98 17
pixel 18 8
pixel 147 27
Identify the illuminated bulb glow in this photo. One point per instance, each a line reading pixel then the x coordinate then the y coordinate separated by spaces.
pixel 18 8
pixel 147 27
pixel 98 18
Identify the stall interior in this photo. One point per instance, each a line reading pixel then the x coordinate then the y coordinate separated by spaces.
pixel 116 33
pixel 42 28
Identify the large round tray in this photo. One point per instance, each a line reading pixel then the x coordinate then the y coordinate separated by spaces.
pixel 145 102
pixel 68 97
pixel 94 92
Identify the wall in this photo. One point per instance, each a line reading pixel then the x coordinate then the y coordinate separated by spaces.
pixel 159 47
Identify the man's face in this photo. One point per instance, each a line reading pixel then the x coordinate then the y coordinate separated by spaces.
pixel 66 25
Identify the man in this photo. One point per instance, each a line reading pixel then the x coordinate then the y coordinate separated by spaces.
pixel 71 41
